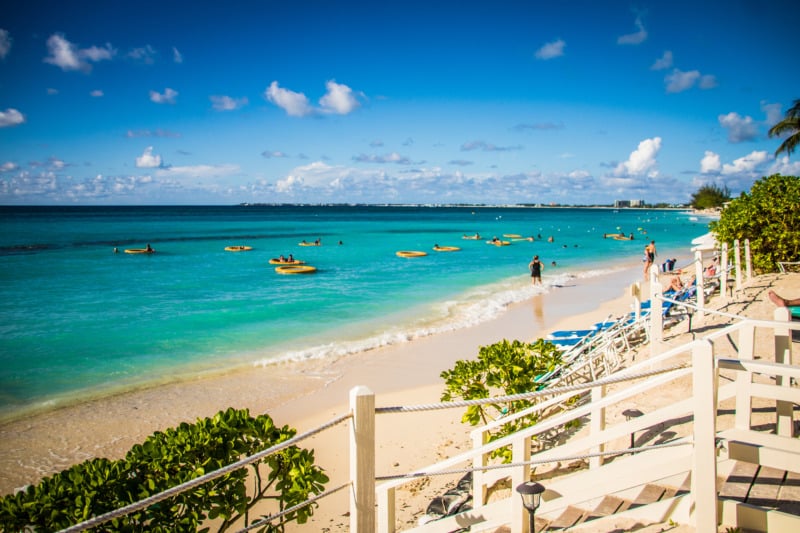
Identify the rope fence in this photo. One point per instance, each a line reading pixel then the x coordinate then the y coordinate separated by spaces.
pixel 620 377
pixel 196 482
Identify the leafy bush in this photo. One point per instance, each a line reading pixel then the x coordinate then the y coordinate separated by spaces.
pixel 502 369
pixel 769 216
pixel 167 459
pixel 710 196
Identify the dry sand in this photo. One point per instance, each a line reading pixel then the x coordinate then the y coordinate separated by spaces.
pixel 305 396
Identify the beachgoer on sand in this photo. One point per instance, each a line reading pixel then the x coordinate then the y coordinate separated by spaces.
pixel 780 301
pixel 649 257
pixel 536 267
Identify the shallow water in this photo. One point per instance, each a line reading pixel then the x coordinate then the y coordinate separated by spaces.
pixel 78 318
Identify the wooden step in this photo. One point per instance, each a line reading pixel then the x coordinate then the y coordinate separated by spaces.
pixel 608 506
pixel 737 485
pixel 789 495
pixel 650 493
pixel 572 515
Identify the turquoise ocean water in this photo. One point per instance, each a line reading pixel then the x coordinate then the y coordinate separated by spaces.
pixel 77 319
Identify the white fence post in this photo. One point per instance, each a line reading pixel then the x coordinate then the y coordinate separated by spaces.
pixel 362 461
pixel 747 260
pixel 783 355
pixel 520 453
pixel 723 271
pixel 656 316
pixel 704 468
pixel 738 265
pixel 744 379
pixel 698 278
pixel 597 425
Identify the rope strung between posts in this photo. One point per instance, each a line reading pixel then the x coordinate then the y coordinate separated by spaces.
pixel 412 475
pixel 705 309
pixel 192 483
pixel 622 376
pixel 268 519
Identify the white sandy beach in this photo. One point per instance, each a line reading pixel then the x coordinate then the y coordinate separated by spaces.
pixel 306 395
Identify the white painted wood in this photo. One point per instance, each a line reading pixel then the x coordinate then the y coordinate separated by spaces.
pixel 362 463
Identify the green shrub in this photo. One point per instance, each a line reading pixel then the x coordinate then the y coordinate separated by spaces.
pixel 167 459
pixel 502 369
pixel 769 215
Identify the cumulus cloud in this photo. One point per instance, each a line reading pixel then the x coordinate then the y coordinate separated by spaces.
pixel 551 50
pixel 393 157
pixel 487 147
pixel 295 104
pixel 198 171
pixel 5 43
pixel 339 99
pixel 773 112
pixel 637 37
pixel 67 56
pixel 740 129
pixel 148 159
pixel 664 62
pixel 747 164
pixel 269 154
pixel 679 81
pixel 131 134
pixel 144 54
pixel 710 164
pixel 11 117
pixel 8 166
pixel 168 96
pixel 226 103
pixel 642 161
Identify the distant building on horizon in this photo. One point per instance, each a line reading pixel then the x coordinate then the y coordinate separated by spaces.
pixel 628 203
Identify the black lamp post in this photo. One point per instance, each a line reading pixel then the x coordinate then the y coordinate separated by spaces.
pixel 531 493
pixel 632 413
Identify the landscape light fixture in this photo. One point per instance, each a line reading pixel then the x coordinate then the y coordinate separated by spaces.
pixel 531 493
pixel 632 413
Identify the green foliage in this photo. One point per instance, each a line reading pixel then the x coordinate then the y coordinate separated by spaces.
pixel 790 127
pixel 710 196
pixel 502 369
pixel 769 216
pixel 167 459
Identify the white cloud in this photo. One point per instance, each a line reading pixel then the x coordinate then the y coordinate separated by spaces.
pixel 487 147
pixel 740 129
pixel 551 50
pixel 143 54
pixel 226 103
pixel 637 37
pixel 177 57
pixel 785 167
pixel 168 97
pixel 393 157
pixel 707 81
pixel 8 166
pixel 67 56
pixel 710 164
pixel 295 104
pixel 664 62
pixel 680 81
pixel 642 161
pixel 97 93
pixel 269 154
pixel 11 117
pixel 747 164
pixel 773 112
pixel 198 171
pixel 339 99
pixel 148 160
pixel 5 43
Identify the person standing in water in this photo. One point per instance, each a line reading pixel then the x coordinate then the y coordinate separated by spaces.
pixel 649 257
pixel 536 267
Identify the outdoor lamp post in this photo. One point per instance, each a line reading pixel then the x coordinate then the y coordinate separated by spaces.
pixel 531 493
pixel 632 413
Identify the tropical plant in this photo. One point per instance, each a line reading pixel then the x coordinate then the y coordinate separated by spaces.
pixel 502 369
pixel 790 126
pixel 710 196
pixel 166 459
pixel 769 216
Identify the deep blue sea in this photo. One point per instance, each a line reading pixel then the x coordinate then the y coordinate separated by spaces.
pixel 77 319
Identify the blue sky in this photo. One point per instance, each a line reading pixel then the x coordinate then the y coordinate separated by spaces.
pixel 570 102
